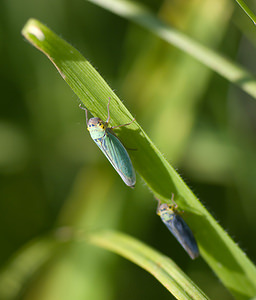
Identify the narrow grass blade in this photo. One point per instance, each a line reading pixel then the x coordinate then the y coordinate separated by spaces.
pixel 247 10
pixel 227 260
pixel 159 265
pixel 225 67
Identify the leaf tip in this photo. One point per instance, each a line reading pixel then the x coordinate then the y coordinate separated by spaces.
pixel 32 27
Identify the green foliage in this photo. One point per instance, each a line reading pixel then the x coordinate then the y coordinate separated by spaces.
pixel 160 266
pixel 221 253
pixel 208 57
pixel 247 10
pixel 201 123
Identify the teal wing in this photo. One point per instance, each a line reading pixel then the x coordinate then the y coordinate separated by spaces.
pixel 118 157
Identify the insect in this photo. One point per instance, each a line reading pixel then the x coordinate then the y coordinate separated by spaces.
pixel 178 227
pixel 111 146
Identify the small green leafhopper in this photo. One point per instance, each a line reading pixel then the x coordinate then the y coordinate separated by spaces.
pixel 111 146
pixel 178 227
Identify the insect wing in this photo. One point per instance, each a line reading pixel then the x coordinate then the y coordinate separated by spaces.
pixel 183 234
pixel 118 157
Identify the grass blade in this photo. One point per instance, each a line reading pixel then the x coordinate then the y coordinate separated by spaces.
pixel 227 260
pixel 247 10
pixel 160 266
pixel 223 66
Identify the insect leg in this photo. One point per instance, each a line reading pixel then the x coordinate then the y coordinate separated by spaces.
pixel 113 127
pixel 86 112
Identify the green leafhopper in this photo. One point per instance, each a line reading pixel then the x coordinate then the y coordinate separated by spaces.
pixel 178 227
pixel 111 146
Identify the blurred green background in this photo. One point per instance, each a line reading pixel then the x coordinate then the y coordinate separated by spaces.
pixel 52 174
